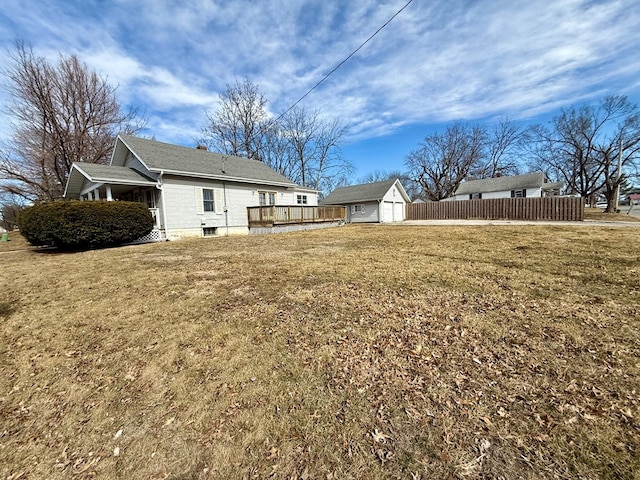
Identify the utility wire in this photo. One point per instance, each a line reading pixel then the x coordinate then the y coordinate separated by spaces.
pixel 343 62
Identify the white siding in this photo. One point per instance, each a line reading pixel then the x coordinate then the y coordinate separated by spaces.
pixel 394 205
pixel 183 218
pixel 132 162
pixel 370 213
pixel 531 193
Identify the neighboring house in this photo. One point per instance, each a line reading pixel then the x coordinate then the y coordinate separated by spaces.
pixel 517 186
pixel 190 191
pixel 371 202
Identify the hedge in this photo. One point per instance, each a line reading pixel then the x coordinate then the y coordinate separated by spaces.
pixel 75 224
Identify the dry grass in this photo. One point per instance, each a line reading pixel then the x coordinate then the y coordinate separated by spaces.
pixel 598 214
pixel 463 352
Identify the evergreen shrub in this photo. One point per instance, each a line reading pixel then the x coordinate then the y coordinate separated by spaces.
pixel 74 224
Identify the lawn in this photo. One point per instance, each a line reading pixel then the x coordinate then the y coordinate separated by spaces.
pixel 354 352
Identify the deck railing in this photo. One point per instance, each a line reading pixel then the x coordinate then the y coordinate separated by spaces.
pixel 270 215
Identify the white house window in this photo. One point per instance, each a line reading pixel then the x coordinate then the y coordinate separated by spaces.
pixel 301 199
pixel 475 196
pixel 209 231
pixel 267 198
pixel 519 193
pixel 208 202
pixel 357 208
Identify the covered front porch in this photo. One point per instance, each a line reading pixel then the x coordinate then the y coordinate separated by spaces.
pixel 92 182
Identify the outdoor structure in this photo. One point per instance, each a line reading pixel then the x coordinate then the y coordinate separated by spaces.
pixel 190 191
pixel 371 202
pixel 530 185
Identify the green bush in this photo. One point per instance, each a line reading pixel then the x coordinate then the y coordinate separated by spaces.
pixel 74 224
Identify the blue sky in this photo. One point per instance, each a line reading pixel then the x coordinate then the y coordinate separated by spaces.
pixel 435 63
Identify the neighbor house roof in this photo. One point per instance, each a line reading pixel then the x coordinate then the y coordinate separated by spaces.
pixel 171 159
pixel 500 184
pixel 96 173
pixel 366 192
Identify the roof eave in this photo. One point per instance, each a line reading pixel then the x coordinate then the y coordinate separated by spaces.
pixel 225 178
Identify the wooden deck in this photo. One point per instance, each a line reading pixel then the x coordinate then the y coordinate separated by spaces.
pixel 270 215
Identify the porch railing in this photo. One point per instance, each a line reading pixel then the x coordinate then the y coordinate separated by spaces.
pixel 155 213
pixel 270 215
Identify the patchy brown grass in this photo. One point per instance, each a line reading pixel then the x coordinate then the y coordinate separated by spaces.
pixel 354 352
pixel 599 215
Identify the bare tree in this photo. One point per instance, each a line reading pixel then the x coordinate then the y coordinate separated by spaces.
pixel 237 126
pixel 582 146
pixel 10 205
pixel 502 150
pixel 61 114
pixel 442 161
pixel 314 146
pixel 299 144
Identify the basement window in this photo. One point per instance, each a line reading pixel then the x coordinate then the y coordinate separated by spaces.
pixel 209 231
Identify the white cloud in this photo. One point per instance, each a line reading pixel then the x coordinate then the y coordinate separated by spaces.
pixel 436 62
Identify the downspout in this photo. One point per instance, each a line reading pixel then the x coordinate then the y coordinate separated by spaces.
pixel 379 211
pixel 226 210
pixel 164 205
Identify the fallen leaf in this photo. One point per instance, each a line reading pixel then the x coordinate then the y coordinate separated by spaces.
pixel 379 437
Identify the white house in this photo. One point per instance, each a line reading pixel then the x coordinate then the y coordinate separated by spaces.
pixel 190 191
pixel 371 202
pixel 517 186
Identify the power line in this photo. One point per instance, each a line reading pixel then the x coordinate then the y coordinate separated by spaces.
pixel 343 61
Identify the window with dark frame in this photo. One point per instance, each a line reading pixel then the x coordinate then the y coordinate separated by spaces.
pixel 301 199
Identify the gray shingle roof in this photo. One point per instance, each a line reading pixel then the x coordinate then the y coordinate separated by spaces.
pixel 499 184
pixel 109 173
pixel 174 159
pixel 366 192
pixel 92 172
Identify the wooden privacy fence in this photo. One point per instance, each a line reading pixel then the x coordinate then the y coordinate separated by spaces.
pixel 568 209
pixel 270 215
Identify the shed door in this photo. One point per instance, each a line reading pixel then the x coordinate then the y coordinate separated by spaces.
pixel 398 212
pixel 387 212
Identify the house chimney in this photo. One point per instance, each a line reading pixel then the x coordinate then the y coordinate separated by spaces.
pixel 201 147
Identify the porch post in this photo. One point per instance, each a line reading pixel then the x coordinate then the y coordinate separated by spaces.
pixel 96 194
pixel 109 197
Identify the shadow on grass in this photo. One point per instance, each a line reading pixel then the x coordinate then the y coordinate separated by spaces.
pixel 7 308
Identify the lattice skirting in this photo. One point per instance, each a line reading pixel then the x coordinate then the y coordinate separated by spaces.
pixel 152 236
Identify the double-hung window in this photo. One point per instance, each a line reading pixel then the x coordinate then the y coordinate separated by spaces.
pixel 209 200
pixel 267 198
pixel 301 199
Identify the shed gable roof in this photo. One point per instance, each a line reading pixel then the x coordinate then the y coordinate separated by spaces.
pixel 192 162
pixel 365 192
pixel 500 184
